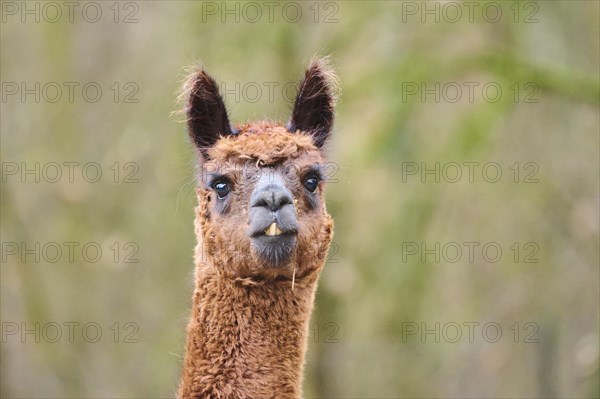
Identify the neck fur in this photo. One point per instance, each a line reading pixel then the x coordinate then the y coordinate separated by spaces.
pixel 246 339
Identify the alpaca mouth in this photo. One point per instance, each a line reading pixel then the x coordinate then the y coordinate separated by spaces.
pixel 274 230
pixel 275 245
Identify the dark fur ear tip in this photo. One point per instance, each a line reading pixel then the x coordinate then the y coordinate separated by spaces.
pixel 323 68
pixel 205 110
pixel 314 107
pixel 192 73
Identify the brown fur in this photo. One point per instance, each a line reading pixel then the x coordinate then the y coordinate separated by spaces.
pixel 247 335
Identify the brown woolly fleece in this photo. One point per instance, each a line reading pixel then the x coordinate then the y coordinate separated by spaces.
pixel 247 335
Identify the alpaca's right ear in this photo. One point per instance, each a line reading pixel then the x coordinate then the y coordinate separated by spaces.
pixel 205 110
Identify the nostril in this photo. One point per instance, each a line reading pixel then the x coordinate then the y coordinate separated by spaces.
pixel 283 200
pixel 272 199
pixel 261 202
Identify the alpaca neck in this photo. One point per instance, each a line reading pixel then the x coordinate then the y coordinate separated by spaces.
pixel 246 339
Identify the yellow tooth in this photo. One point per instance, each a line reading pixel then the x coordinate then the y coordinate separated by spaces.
pixel 271 230
pixel 278 231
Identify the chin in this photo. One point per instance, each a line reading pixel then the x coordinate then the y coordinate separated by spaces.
pixel 275 252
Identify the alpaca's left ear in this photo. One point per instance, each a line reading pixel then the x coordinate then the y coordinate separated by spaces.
pixel 315 103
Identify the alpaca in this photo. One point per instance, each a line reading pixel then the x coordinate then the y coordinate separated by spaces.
pixel 263 234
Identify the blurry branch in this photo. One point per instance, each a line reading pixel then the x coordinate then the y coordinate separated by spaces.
pixel 568 83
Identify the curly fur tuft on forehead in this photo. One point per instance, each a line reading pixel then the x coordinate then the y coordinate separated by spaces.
pixel 268 142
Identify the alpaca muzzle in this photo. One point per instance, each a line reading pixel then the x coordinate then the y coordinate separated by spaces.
pixel 273 224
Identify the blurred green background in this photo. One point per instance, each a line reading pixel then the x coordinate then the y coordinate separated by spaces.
pixel 406 70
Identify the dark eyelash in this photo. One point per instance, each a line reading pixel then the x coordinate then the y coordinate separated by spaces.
pixel 214 179
pixel 314 175
pixel 314 172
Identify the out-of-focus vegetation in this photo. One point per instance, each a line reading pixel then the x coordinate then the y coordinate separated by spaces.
pixel 544 56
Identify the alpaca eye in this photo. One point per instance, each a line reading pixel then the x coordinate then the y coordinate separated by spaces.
pixel 222 189
pixel 311 184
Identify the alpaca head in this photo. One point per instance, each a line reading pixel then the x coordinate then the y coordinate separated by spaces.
pixel 261 208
